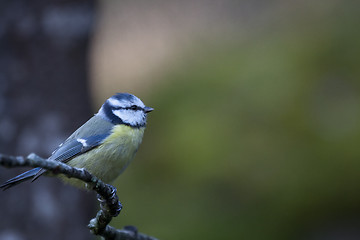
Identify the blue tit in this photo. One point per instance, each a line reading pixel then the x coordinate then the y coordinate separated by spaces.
pixel 104 145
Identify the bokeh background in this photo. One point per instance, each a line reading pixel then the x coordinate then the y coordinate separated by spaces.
pixel 256 125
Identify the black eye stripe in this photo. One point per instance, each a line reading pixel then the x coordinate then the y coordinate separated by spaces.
pixel 108 111
pixel 128 108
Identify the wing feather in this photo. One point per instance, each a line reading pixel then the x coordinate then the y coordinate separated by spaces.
pixel 73 147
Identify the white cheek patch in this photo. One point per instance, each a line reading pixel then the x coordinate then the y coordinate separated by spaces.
pixel 129 116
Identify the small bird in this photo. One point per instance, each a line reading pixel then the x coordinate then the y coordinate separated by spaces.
pixel 104 145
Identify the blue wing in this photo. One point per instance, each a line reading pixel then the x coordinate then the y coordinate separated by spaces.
pixel 73 147
pixel 82 140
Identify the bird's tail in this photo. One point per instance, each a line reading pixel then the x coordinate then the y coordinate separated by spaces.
pixel 20 178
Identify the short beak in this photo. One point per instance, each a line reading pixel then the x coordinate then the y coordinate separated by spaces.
pixel 148 109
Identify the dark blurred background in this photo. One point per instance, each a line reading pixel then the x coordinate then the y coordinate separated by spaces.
pixel 256 125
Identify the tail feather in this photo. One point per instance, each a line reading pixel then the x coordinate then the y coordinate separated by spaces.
pixel 20 178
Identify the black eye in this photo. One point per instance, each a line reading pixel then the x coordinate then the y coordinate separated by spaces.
pixel 133 107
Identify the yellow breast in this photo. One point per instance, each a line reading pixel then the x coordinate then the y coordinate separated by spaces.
pixel 109 159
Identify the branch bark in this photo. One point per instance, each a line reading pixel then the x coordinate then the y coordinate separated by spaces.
pixel 110 205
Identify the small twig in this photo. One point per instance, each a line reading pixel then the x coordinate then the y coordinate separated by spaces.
pixel 110 205
pixel 128 233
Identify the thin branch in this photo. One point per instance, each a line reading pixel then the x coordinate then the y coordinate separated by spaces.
pixel 128 233
pixel 110 205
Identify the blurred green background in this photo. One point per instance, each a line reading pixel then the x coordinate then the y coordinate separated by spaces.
pixel 256 125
